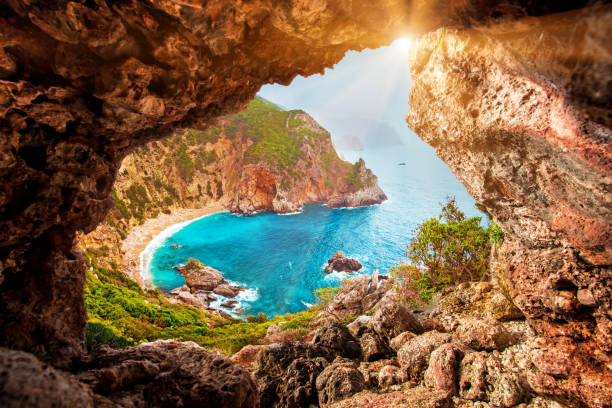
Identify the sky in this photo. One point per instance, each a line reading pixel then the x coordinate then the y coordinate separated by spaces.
pixel 365 90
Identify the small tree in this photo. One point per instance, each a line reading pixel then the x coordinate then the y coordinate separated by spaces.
pixel 324 298
pixel 445 250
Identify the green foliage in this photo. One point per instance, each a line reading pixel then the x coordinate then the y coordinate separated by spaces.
pixel 445 250
pixel 184 163
pixel 324 298
pixel 355 178
pixel 496 234
pixel 120 313
pixel 98 335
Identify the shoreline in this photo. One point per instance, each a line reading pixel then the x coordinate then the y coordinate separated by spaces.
pixel 147 237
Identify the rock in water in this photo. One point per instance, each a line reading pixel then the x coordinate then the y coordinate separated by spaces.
pixel 199 276
pixel 341 263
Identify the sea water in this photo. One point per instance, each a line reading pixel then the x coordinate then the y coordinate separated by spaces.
pixel 279 259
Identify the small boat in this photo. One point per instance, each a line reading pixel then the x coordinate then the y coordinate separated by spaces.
pixel 401 164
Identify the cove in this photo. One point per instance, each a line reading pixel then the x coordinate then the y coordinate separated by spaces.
pixel 280 258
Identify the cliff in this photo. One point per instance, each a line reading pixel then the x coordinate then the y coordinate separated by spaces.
pixel 537 154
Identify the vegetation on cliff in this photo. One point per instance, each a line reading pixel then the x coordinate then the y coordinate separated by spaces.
pixel 120 313
pixel 445 250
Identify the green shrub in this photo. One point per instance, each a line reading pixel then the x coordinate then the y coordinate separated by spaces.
pixel 445 250
pixel 98 335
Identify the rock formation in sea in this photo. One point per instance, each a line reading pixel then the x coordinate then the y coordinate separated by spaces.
pixel 341 263
pixel 520 111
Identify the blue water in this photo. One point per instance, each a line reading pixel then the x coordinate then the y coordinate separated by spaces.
pixel 280 258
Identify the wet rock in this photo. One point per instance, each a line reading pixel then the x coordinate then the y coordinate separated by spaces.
pixel 413 357
pixel 168 373
pixel 226 290
pixel 26 382
pixel 394 319
pixel 298 387
pixel 336 340
pixel 341 263
pixel 339 380
pixel 373 346
pixel 391 375
pixel 483 335
pixel 248 354
pixel 357 325
pixel 442 372
pixel 199 276
pixel 398 341
pixel 230 304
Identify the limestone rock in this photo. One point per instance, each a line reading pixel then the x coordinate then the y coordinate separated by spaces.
pixel 414 355
pixel 298 387
pixel 394 319
pixel 341 263
pixel 483 335
pixel 25 382
pixel 444 366
pixel 339 380
pixel 398 341
pixel 357 298
pixel 336 340
pixel 248 354
pixel 226 290
pixel 373 346
pixel 391 375
pixel 166 373
pixel 357 325
pixel 199 276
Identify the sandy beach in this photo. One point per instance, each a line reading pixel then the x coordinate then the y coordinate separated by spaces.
pixel 143 235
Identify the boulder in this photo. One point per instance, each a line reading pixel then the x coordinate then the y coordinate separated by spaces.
pixel 168 373
pixel 228 291
pixel 398 341
pixel 413 357
pixel 298 387
pixel 391 375
pixel 199 276
pixel 483 334
pixel 25 381
pixel 248 354
pixel 443 367
pixel 341 263
pixel 336 340
pixel 230 304
pixel 393 319
pixel 433 324
pixel 358 325
pixel 373 346
pixel 339 380
pixel 356 297
pixel 482 377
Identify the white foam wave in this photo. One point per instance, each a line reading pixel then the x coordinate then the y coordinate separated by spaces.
pixel 146 256
pixel 291 213
pixel 308 305
pixel 338 276
pixel 246 295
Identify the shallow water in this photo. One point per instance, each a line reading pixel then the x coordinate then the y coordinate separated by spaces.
pixel 280 258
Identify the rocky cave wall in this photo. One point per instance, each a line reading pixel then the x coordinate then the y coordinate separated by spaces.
pixel 521 114
pixel 84 82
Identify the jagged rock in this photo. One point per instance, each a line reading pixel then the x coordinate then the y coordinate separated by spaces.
pixel 394 319
pixel 370 194
pixel 230 304
pixel 227 290
pixel 168 373
pixel 199 276
pixel 413 357
pixel 357 325
pixel 444 366
pixel 248 354
pixel 356 298
pixel 398 341
pixel 341 263
pixel 433 324
pixel 298 387
pixel 483 335
pixel 482 378
pixel 373 346
pixel 272 330
pixel 391 375
pixel 339 380
pixel 336 340
pixel 25 382
pixel 417 397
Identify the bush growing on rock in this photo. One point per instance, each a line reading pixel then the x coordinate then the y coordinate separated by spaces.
pixel 445 250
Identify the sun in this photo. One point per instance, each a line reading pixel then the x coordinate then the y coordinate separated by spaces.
pixel 402 44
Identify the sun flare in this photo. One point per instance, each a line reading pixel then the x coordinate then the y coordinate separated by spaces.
pixel 403 44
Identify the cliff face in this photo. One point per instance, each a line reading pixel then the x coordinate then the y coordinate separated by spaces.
pixel 501 107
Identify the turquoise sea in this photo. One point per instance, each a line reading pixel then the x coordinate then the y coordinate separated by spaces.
pixel 280 258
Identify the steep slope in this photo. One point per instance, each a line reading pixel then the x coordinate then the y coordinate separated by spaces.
pixel 261 159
